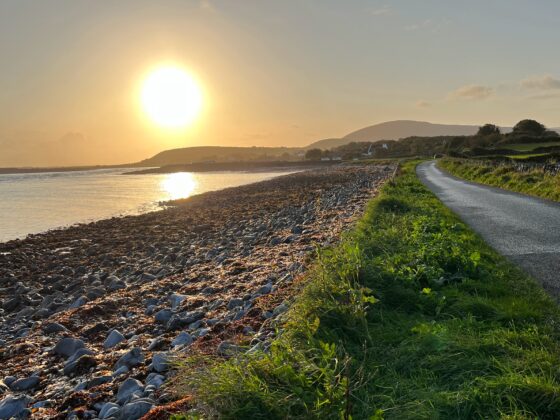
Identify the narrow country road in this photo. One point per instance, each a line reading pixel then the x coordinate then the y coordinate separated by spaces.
pixel 524 229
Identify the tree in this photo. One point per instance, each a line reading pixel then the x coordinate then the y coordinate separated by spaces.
pixel 530 127
pixel 488 130
pixel 313 154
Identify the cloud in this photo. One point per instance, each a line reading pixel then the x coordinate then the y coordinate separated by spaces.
pixel 431 25
pixel 545 82
pixel 472 92
pixel 382 11
pixel 423 104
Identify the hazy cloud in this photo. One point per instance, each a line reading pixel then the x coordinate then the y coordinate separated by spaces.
pixel 423 104
pixel 381 11
pixel 472 92
pixel 545 82
pixel 428 25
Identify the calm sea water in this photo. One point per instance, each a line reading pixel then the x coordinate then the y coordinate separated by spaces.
pixel 33 203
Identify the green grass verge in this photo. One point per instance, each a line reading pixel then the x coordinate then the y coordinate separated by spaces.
pixel 411 316
pixel 527 147
pixel 535 182
pixel 525 156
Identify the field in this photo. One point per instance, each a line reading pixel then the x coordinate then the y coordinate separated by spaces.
pixel 527 155
pixel 527 147
pixel 411 316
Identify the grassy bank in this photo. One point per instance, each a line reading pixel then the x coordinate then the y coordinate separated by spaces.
pixel 412 316
pixel 536 182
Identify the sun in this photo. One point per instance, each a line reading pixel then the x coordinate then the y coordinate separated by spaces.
pixel 171 97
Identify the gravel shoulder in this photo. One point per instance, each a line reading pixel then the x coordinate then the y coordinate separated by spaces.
pixel 94 315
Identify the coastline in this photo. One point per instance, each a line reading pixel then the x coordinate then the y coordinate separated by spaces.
pixel 198 275
pixel 256 166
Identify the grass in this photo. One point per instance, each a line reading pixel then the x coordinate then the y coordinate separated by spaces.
pixel 412 316
pixel 535 182
pixel 527 147
pixel 526 155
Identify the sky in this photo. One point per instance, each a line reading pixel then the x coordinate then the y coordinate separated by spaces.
pixel 272 73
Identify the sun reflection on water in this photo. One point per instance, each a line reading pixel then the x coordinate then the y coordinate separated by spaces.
pixel 178 185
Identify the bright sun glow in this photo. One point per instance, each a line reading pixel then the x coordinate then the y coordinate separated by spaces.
pixel 178 185
pixel 171 97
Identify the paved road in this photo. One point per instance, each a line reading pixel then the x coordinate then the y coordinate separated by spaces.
pixel 524 229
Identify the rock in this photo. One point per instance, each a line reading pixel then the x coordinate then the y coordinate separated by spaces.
pixel 109 410
pixel 53 327
pixel 228 349
pixel 184 319
pixel 12 406
pixel 67 346
pixel 128 388
pixel 163 316
pixel 136 409
pixel 175 300
pixel 182 339
pixel 115 283
pixel 25 383
pixel 8 380
pixel 280 309
pixel 123 370
pixel 265 290
pixel 133 358
pixel 160 362
pixel 80 365
pixel 99 380
pixel 147 277
pixel 114 338
pixel 155 380
pixel 81 301
pixel 234 303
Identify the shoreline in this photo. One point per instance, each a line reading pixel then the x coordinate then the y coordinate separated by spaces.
pixel 236 167
pixel 203 274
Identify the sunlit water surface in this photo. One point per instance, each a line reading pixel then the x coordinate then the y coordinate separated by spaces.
pixel 33 203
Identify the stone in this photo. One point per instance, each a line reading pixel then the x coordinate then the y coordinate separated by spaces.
pixel 109 410
pixel 25 384
pixel 135 410
pixel 114 338
pixel 12 406
pixel 128 388
pixel 80 365
pixel 234 303
pixel 53 327
pixel 184 319
pixel 154 379
pixel 265 290
pixel 99 380
pixel 280 309
pixel 160 362
pixel 175 300
pixel 67 346
pixel 81 301
pixel 163 316
pixel 228 349
pixel 184 338
pixel 130 359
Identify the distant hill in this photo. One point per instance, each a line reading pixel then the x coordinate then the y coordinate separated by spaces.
pixel 395 130
pixel 220 154
pixel 391 130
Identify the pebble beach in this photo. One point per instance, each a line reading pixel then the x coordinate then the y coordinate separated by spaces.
pixel 94 315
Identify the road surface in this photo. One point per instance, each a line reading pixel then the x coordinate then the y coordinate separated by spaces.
pixel 524 229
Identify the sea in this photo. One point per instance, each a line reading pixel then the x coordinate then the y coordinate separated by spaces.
pixel 37 202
